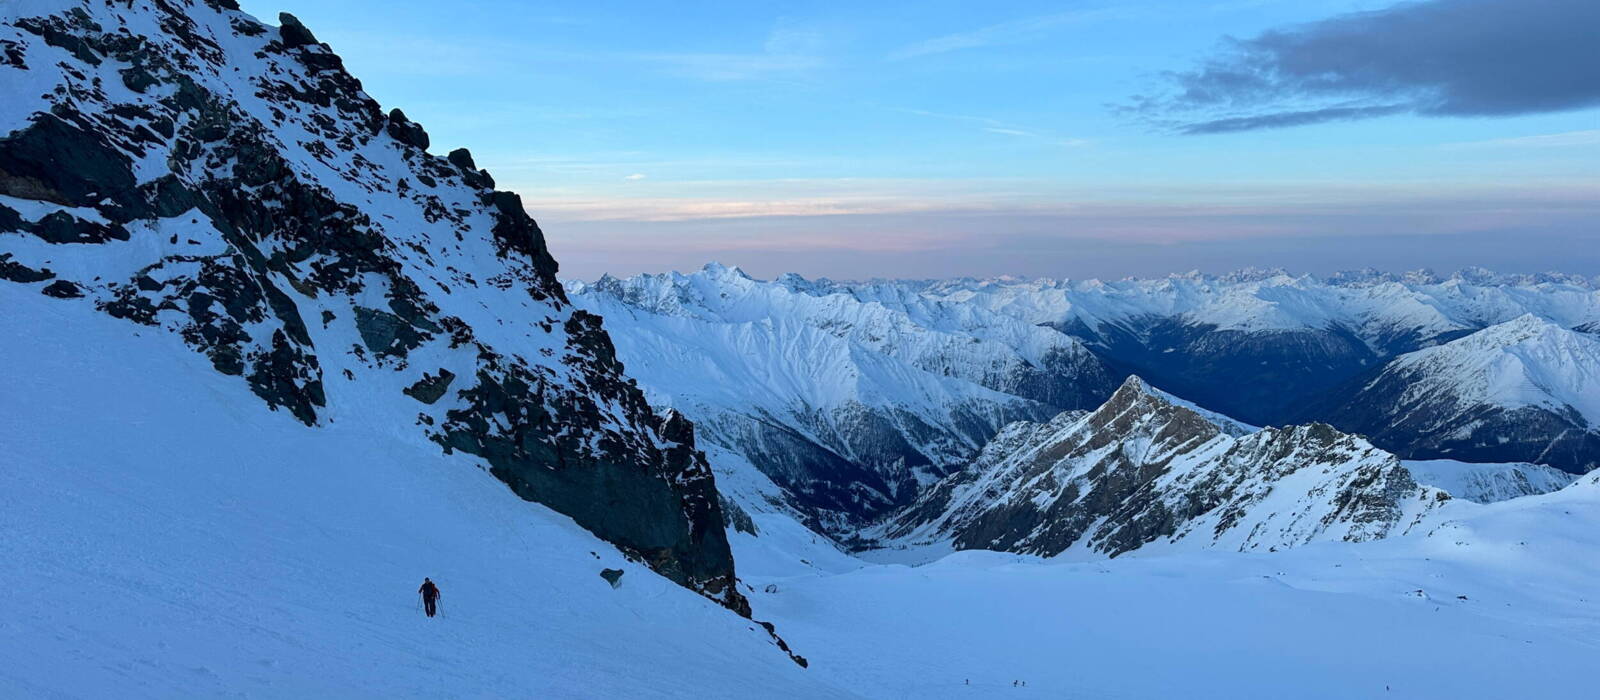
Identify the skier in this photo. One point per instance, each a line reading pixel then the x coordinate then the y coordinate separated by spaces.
pixel 430 596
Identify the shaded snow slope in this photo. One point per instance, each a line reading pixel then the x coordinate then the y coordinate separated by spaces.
pixel 1488 483
pixel 167 537
pixel 1497 603
pixel 1523 390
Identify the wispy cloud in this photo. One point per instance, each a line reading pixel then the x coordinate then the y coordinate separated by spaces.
pixel 1012 32
pixel 787 52
pixel 1567 139
pixel 996 126
pixel 635 176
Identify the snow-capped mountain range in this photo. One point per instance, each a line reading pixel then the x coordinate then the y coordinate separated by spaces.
pixel 853 402
pixel 1261 347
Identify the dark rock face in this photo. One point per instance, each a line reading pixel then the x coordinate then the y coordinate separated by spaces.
pixel 62 289
pixel 17 272
pixel 293 32
pixel 257 186
pixel 429 389
pixel 406 131
pixel 64 163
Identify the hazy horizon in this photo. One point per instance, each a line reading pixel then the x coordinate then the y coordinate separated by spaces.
pixel 1033 139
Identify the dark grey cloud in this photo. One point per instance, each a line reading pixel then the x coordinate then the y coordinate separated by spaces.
pixel 1439 57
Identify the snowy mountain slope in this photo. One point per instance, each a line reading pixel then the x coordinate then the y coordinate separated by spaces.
pixel 1496 602
pixel 850 404
pixel 168 562
pixel 1259 345
pixel 1143 473
pixel 1523 390
pixel 183 167
pixel 196 545
pixel 1488 483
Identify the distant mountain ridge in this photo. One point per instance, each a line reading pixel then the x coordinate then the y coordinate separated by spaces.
pixel 1260 346
pixel 863 401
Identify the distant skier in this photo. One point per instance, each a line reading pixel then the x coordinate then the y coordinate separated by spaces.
pixel 430 596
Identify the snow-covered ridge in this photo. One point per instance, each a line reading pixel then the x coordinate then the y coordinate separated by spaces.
pixel 1527 361
pixel 1142 473
pixel 1524 390
pixel 188 169
pixel 1488 483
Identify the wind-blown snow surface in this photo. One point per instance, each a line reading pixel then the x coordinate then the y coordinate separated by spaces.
pixel 1498 604
pixel 164 536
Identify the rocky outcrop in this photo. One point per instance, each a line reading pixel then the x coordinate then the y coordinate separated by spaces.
pixel 227 181
pixel 1145 470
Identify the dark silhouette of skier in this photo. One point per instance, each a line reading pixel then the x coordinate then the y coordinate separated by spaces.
pixel 430 596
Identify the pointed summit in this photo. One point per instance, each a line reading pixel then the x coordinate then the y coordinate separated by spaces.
pixel 716 270
pixel 1136 391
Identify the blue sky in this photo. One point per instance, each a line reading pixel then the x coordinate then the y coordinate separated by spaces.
pixel 963 138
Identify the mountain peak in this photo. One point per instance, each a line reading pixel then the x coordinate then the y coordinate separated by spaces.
pixel 1136 391
pixel 1134 383
pixel 1528 323
pixel 718 270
